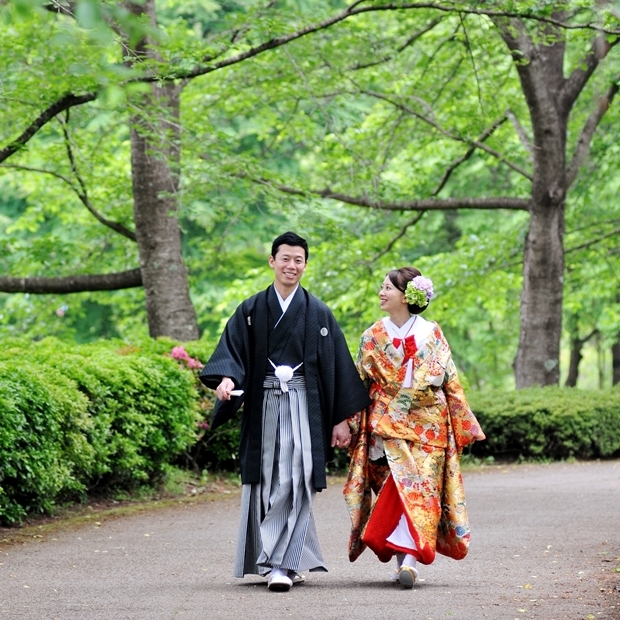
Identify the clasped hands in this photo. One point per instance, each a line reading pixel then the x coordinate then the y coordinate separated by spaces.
pixel 341 435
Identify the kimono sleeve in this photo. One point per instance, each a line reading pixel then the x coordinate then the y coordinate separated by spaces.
pixel 230 358
pixel 464 423
pixel 355 420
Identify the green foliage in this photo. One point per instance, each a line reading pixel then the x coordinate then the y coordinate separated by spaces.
pixel 551 423
pixel 76 419
pixel 44 451
pixel 381 106
pixel 216 450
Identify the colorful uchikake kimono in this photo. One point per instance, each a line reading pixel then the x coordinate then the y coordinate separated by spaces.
pixel 408 447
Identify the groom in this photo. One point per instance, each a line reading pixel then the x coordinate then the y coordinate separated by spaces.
pixel 283 356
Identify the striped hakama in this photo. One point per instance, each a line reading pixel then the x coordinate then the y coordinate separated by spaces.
pixel 277 526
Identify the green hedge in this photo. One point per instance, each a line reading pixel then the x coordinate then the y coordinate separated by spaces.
pixel 77 419
pixel 552 423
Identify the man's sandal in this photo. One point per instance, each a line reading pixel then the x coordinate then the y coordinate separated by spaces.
pixel 296 577
pixel 279 583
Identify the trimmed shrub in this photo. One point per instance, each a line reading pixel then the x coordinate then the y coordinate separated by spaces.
pixel 91 417
pixel 550 422
pixel 77 420
pixel 216 450
pixel 44 452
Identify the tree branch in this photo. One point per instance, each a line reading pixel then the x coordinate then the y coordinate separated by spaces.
pixel 457 162
pixel 71 100
pixel 66 8
pixel 119 228
pixel 428 204
pixel 585 246
pixel 64 103
pixel 579 77
pixel 353 10
pixel 414 37
pixel 525 139
pixel 582 148
pixel 82 192
pixel 72 284
pixel 401 233
pixel 445 132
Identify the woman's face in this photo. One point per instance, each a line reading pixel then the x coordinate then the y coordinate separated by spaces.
pixel 392 300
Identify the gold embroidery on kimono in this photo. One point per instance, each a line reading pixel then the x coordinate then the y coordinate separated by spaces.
pixel 423 429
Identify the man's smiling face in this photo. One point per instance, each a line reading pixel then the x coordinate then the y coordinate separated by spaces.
pixel 288 266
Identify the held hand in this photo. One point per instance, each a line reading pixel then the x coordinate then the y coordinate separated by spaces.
pixel 341 435
pixel 224 389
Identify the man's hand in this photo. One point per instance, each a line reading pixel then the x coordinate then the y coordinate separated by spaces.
pixel 224 389
pixel 341 435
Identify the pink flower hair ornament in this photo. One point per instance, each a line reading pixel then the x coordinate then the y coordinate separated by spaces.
pixel 419 291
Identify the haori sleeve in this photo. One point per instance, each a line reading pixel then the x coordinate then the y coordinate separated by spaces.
pixel 230 358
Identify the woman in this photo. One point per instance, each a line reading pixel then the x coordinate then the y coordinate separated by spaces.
pixel 407 444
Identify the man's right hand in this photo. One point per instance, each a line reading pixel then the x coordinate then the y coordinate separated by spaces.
pixel 224 389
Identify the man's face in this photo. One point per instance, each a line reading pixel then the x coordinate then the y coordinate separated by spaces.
pixel 288 265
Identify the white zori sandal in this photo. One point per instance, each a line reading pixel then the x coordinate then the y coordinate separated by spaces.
pixel 296 577
pixel 407 576
pixel 279 581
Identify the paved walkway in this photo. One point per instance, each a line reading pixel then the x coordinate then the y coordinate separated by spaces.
pixel 545 541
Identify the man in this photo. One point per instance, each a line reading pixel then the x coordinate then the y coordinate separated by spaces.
pixel 283 356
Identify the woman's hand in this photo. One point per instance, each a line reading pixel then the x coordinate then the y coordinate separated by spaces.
pixel 341 435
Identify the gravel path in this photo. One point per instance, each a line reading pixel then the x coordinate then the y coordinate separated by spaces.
pixel 545 543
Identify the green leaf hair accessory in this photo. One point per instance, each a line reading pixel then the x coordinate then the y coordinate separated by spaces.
pixel 419 291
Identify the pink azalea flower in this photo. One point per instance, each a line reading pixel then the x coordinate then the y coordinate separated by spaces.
pixel 179 353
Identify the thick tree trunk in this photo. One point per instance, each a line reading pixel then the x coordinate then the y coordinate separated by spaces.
pixel 538 357
pixel 540 69
pixel 537 360
pixel 155 144
pixel 154 151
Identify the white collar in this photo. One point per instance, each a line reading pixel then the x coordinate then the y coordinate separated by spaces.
pixel 420 328
pixel 285 303
pixel 399 332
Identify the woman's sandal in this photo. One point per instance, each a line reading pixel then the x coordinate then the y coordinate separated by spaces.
pixel 407 576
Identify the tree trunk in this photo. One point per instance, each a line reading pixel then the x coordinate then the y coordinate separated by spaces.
pixel 576 347
pixel 615 355
pixel 576 344
pixel 537 360
pixel 540 68
pixel 155 144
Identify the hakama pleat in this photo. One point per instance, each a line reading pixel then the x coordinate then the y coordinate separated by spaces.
pixel 277 527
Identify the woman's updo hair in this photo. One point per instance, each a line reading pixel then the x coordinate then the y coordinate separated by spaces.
pixel 399 278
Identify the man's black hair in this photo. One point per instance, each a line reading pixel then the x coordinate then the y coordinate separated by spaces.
pixel 292 239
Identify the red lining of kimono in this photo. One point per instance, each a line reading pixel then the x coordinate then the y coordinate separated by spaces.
pixel 385 516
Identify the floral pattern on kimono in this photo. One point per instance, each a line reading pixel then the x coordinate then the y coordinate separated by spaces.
pixel 424 429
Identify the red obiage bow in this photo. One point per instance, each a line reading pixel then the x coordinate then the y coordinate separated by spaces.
pixel 409 345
